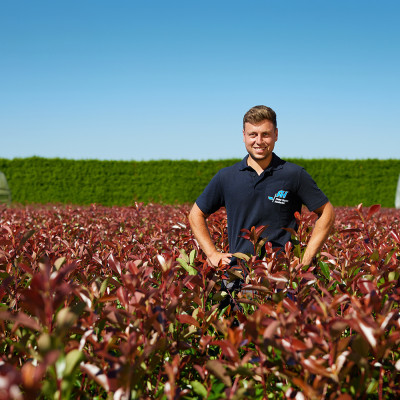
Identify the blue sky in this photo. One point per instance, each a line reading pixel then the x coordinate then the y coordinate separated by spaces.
pixel 136 80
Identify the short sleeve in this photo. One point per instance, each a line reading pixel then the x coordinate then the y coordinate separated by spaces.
pixel 308 191
pixel 212 197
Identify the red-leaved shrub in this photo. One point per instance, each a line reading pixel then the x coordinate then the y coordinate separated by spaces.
pixel 119 302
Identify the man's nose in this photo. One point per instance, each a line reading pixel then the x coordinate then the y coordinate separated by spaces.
pixel 259 139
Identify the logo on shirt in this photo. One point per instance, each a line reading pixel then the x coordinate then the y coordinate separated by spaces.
pixel 280 197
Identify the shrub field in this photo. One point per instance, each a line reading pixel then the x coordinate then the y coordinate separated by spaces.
pixel 119 303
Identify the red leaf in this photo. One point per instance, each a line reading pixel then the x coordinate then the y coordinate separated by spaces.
pixel 271 329
pixel 113 264
pixel 96 374
pixel 200 370
pixel 307 389
pixel 20 319
pixel 316 367
pixel 6 282
pixel 190 284
pixel 293 344
pixel 290 305
pixel 7 229
pixel 227 349
pixel 187 319
pixel 291 231
pixel 373 210
pixel 25 238
pixel 308 276
pixel 133 266
pixel 350 230
pixel 366 286
pixel 219 371
pixel 123 297
pixel 395 236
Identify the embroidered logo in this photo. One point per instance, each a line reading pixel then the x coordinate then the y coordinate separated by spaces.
pixel 280 197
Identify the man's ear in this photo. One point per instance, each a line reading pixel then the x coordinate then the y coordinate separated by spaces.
pixel 243 135
pixel 276 134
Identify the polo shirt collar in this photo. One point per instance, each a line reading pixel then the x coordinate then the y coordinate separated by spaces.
pixel 276 163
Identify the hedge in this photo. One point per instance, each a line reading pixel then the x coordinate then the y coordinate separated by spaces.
pixel 44 180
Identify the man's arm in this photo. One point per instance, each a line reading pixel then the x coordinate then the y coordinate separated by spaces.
pixel 322 228
pixel 198 223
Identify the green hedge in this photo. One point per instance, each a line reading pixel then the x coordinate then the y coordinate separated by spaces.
pixel 350 182
pixel 43 180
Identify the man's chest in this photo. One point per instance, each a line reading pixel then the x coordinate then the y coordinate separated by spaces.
pixel 269 192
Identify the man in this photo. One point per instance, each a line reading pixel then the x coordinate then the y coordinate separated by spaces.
pixel 261 189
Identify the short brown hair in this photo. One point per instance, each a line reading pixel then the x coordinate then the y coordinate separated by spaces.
pixel 257 114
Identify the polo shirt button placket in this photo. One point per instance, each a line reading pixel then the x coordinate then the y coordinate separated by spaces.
pixel 253 179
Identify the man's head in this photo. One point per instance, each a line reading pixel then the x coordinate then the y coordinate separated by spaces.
pixel 257 114
pixel 260 135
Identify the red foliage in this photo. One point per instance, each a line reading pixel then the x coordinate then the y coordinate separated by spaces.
pixel 98 300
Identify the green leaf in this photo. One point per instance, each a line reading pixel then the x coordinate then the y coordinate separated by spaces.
pixel 199 388
pixel 325 269
pixel 210 316
pixel 375 256
pixel 393 275
pixel 60 366
pixel 72 359
pixel 243 371
pixel 217 390
pixel 389 256
pixel 192 256
pixel 187 267
pixel 184 255
pixel 59 262
pixel 373 386
pixel 65 318
pixel 242 256
pixel 103 287
pixel 44 343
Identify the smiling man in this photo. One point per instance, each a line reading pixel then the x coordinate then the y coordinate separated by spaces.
pixel 260 190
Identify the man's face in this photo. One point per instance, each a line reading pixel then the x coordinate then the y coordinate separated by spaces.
pixel 260 139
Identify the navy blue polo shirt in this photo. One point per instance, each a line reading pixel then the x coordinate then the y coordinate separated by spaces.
pixel 271 199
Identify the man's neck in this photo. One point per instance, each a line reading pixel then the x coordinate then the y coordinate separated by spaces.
pixel 259 165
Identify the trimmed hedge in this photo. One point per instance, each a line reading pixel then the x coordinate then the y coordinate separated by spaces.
pixel 350 182
pixel 44 180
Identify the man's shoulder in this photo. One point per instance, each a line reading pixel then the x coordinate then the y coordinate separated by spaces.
pixel 290 166
pixel 286 166
pixel 233 169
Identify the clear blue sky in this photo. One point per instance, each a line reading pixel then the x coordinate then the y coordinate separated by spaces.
pixel 141 80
